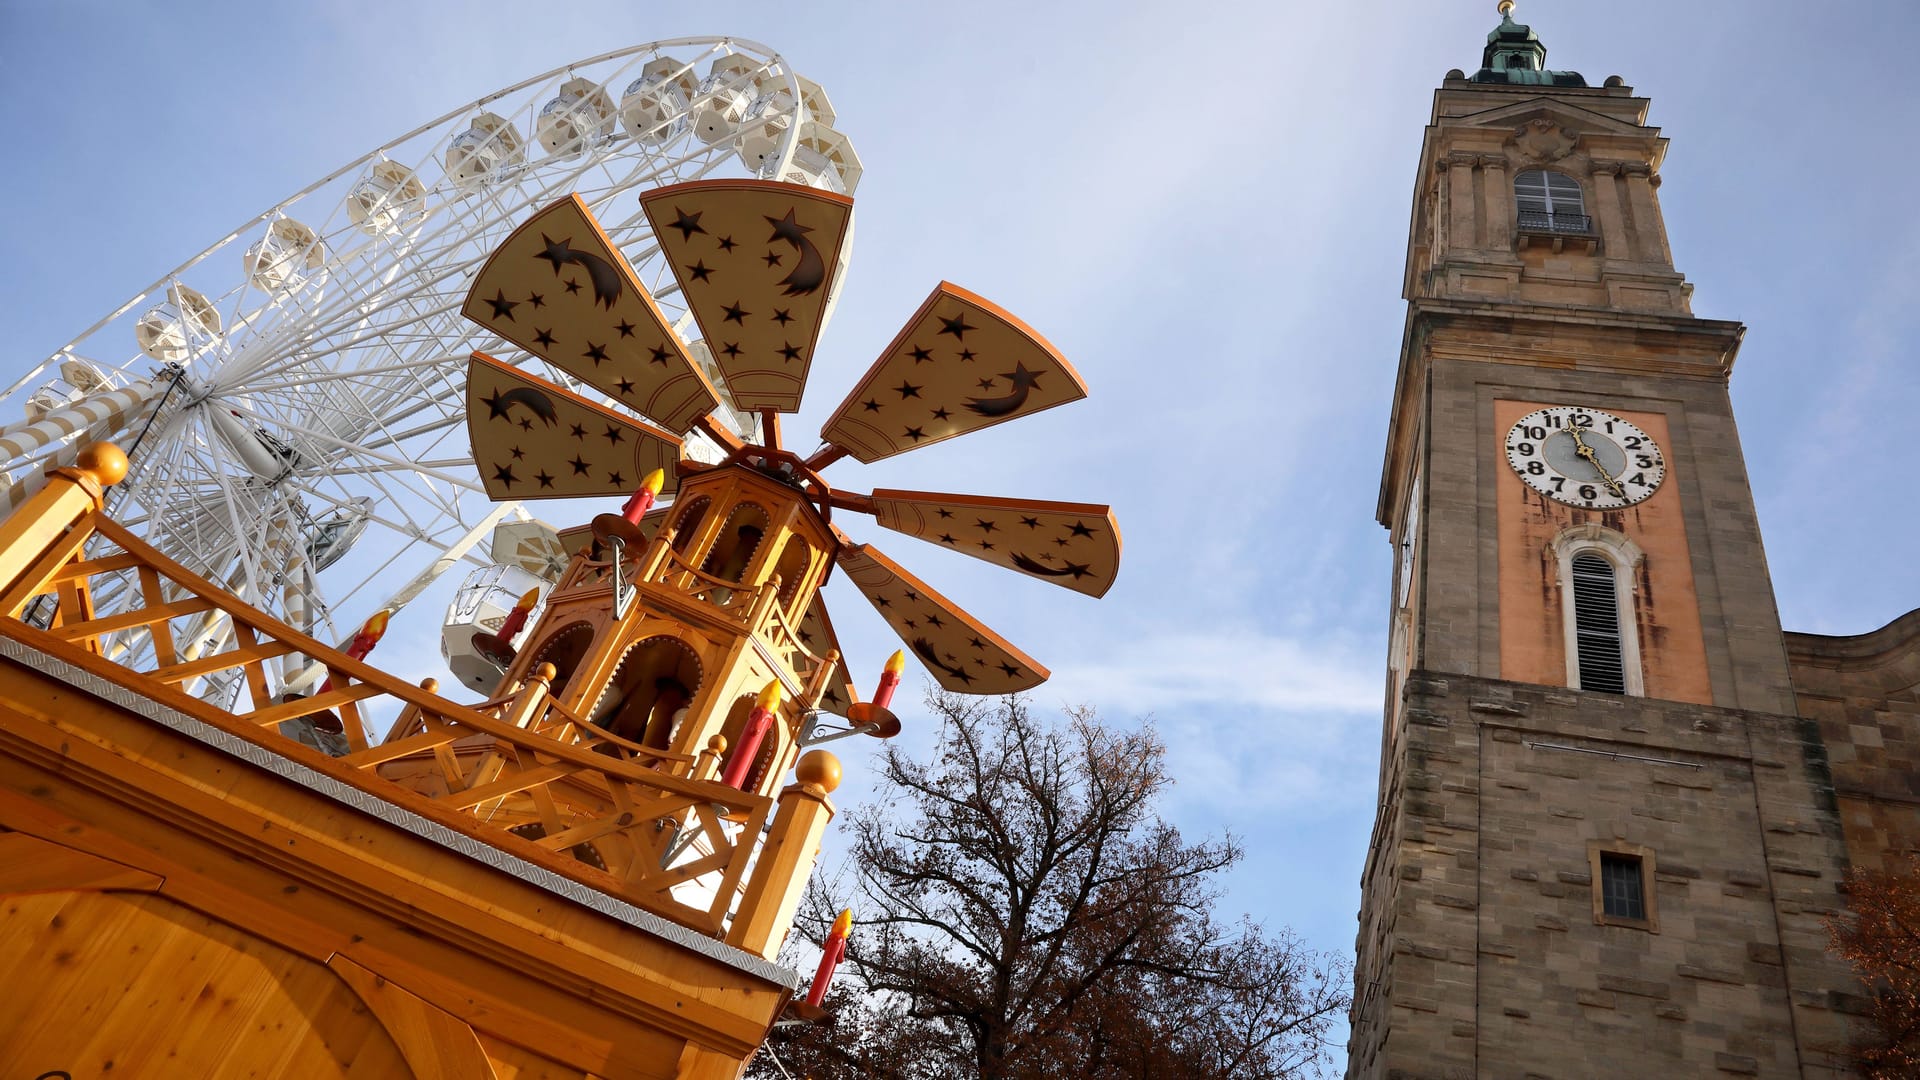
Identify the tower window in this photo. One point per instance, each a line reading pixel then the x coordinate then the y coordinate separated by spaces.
pixel 1622 895
pixel 1550 202
pixel 1596 621
pixel 1597 571
pixel 1623 876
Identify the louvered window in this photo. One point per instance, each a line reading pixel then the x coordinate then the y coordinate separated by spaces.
pixel 1550 201
pixel 1596 624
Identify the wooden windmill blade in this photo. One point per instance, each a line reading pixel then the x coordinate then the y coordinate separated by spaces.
pixel 560 289
pixel 817 634
pixel 960 652
pixel 960 364
pixel 533 439
pixel 758 263
pixel 1073 545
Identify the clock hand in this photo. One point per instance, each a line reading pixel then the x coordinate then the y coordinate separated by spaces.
pixel 1593 459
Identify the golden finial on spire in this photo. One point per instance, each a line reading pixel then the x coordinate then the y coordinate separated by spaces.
pixel 1505 6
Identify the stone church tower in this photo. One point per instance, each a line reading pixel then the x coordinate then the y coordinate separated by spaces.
pixel 1616 799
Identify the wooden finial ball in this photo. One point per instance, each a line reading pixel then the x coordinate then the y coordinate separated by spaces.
pixel 717 744
pixel 104 462
pixel 817 768
pixel 545 672
pixel 430 684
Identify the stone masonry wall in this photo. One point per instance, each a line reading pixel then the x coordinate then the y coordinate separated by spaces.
pixel 1484 950
pixel 1864 693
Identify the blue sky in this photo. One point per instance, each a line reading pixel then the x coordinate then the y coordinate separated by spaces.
pixel 1204 205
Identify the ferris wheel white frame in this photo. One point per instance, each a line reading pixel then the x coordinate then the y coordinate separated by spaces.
pixel 320 391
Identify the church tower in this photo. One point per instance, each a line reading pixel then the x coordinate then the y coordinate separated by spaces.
pixel 1604 837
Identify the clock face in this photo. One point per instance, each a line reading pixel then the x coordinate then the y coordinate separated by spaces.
pixel 1585 457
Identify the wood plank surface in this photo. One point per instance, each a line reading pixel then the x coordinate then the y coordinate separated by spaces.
pixel 29 864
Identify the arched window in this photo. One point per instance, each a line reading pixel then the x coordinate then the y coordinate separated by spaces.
pixel 650 691
pixel 795 559
pixel 733 549
pixel 564 649
pixel 1596 625
pixel 687 524
pixel 1597 567
pixel 1549 202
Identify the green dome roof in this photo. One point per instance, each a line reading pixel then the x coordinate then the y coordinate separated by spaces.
pixel 1515 56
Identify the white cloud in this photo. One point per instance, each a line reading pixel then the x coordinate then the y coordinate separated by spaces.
pixel 1238 667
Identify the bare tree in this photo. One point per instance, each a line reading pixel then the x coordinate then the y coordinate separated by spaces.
pixel 1023 912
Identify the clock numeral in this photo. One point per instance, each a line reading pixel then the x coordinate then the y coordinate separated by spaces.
pixel 1639 478
pixel 1525 448
pixel 1581 419
pixel 1534 468
pixel 1634 442
pixel 1559 483
pixel 1534 432
pixel 1645 461
pixel 1588 492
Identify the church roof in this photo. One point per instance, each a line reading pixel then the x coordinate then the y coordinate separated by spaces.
pixel 1515 56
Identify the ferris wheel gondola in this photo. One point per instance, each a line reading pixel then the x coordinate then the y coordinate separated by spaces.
pixel 293 398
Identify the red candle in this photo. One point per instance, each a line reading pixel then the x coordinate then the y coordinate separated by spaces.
pixel 831 953
pixel 642 500
pixel 364 640
pixel 369 635
pixel 517 618
pixel 890 678
pixel 759 722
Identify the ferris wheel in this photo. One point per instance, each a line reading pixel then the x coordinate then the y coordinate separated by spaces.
pixel 293 398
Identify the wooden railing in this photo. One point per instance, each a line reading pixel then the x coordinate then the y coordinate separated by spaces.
pixel 519 772
pixel 784 638
pixel 659 566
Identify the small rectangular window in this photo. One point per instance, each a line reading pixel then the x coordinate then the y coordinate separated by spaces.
pixel 1623 877
pixel 1621 894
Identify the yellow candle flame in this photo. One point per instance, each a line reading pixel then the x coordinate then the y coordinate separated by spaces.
pixel 843 926
pixel 897 663
pixel 770 697
pixel 377 624
pixel 528 599
pixel 654 481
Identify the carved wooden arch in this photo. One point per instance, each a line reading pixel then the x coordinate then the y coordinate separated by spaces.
pixel 557 649
pixel 743 553
pixel 626 669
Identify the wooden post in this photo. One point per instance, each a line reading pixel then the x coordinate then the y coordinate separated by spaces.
pixel 70 494
pixel 786 860
pixel 528 699
pixel 707 765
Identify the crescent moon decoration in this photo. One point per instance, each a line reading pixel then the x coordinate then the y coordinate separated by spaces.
pixel 917 614
pixel 578 449
pixel 959 364
pixel 758 264
pixel 613 337
pixel 810 272
pixel 925 650
pixel 1072 545
pixel 1023 382
pixel 1077 570
pixel 539 404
